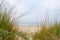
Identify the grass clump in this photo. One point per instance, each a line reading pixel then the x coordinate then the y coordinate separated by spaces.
pixel 7 32
pixel 7 26
pixel 50 33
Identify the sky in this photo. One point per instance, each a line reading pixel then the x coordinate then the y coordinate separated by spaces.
pixel 31 12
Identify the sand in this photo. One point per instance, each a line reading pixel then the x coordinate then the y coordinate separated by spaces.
pixel 28 29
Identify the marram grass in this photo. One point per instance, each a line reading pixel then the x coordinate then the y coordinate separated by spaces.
pixel 50 33
pixel 6 25
pixel 7 30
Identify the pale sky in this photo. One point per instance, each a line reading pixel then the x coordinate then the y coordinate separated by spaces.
pixel 36 10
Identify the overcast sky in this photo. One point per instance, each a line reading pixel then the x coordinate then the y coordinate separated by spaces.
pixel 36 10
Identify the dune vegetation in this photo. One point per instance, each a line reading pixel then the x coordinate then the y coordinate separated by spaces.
pixel 7 25
pixel 48 33
pixel 8 32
